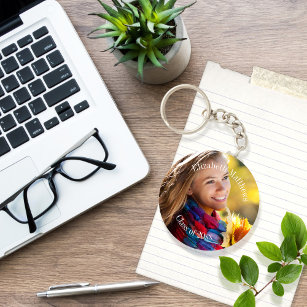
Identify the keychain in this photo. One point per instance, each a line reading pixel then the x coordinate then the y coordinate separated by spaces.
pixel 209 200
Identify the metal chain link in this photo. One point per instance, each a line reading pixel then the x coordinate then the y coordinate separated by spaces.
pixel 232 121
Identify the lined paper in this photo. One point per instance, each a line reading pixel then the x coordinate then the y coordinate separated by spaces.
pixel 277 158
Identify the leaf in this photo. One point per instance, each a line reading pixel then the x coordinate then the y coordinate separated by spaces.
pixel 146 6
pixel 159 54
pixel 289 273
pixel 170 4
pixel 278 289
pixel 153 59
pixel 249 270
pixel 230 269
pixel 111 19
pixel 110 11
pixel 129 46
pixel 132 54
pixel 107 26
pixel 274 267
pixel 305 250
pixel 168 41
pixel 246 299
pixel 304 258
pixel 288 249
pixel 141 61
pixel 270 250
pixel 122 37
pixel 108 34
pixel 294 225
pixel 133 9
pixel 151 26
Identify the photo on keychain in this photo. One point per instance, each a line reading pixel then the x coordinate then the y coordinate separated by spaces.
pixel 209 200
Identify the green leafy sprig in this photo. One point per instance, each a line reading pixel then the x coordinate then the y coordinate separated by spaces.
pixel 292 249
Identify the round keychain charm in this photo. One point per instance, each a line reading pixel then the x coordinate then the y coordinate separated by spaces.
pixel 209 200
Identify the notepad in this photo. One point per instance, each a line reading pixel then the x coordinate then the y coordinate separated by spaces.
pixel 276 156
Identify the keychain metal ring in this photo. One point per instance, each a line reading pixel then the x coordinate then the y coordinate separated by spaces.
pixel 206 113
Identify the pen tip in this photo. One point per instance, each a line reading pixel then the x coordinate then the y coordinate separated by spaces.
pixel 41 294
pixel 151 283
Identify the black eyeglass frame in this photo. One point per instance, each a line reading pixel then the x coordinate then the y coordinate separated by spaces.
pixel 56 168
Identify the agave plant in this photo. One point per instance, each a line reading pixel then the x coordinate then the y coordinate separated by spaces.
pixel 141 29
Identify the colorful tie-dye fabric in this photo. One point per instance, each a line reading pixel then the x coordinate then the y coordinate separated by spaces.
pixel 195 228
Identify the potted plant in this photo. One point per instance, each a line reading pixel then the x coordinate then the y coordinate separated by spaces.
pixel 148 36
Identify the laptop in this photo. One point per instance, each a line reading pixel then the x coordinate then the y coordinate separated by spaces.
pixel 52 98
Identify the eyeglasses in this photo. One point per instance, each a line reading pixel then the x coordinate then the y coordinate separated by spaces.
pixel 37 197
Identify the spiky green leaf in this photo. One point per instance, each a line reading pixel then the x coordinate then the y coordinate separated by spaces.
pixel 151 26
pixel 152 57
pixel 107 34
pixel 133 9
pixel 130 55
pixel 107 26
pixel 159 54
pixel 146 7
pixel 113 20
pixel 122 37
pixel 129 46
pixel 168 42
pixel 141 61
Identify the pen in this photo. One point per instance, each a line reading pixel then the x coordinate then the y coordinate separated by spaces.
pixel 86 288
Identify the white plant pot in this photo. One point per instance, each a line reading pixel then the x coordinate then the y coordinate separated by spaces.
pixel 178 59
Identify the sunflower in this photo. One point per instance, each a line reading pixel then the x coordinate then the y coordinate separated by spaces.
pixel 237 228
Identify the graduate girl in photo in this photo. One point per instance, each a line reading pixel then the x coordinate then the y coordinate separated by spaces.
pixel 192 193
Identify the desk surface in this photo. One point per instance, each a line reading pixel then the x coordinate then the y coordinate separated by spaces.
pixel 104 244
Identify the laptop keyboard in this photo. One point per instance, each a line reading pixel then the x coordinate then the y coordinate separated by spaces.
pixel 31 67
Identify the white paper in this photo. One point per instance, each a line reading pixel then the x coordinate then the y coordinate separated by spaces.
pixel 277 158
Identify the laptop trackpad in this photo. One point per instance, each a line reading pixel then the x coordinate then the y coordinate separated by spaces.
pixel 13 178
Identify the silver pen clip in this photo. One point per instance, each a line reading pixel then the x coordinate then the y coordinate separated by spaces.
pixel 66 286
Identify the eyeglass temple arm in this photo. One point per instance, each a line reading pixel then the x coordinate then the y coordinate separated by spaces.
pixel 102 164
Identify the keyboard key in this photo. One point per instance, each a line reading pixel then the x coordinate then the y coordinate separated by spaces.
pixel 10 83
pixel 34 127
pixel 43 46
pixel 9 64
pixel 7 104
pixel 62 92
pixel 66 114
pixel 1 92
pixel 62 107
pixel 7 122
pixel 25 56
pixel 25 75
pixel 9 49
pixel 37 106
pixel 25 41
pixel 40 32
pixel 51 123
pixel 57 76
pixel 81 106
pixel 22 114
pixel 37 87
pixel 17 137
pixel 22 95
pixel 4 147
pixel 55 58
pixel 1 73
pixel 40 67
